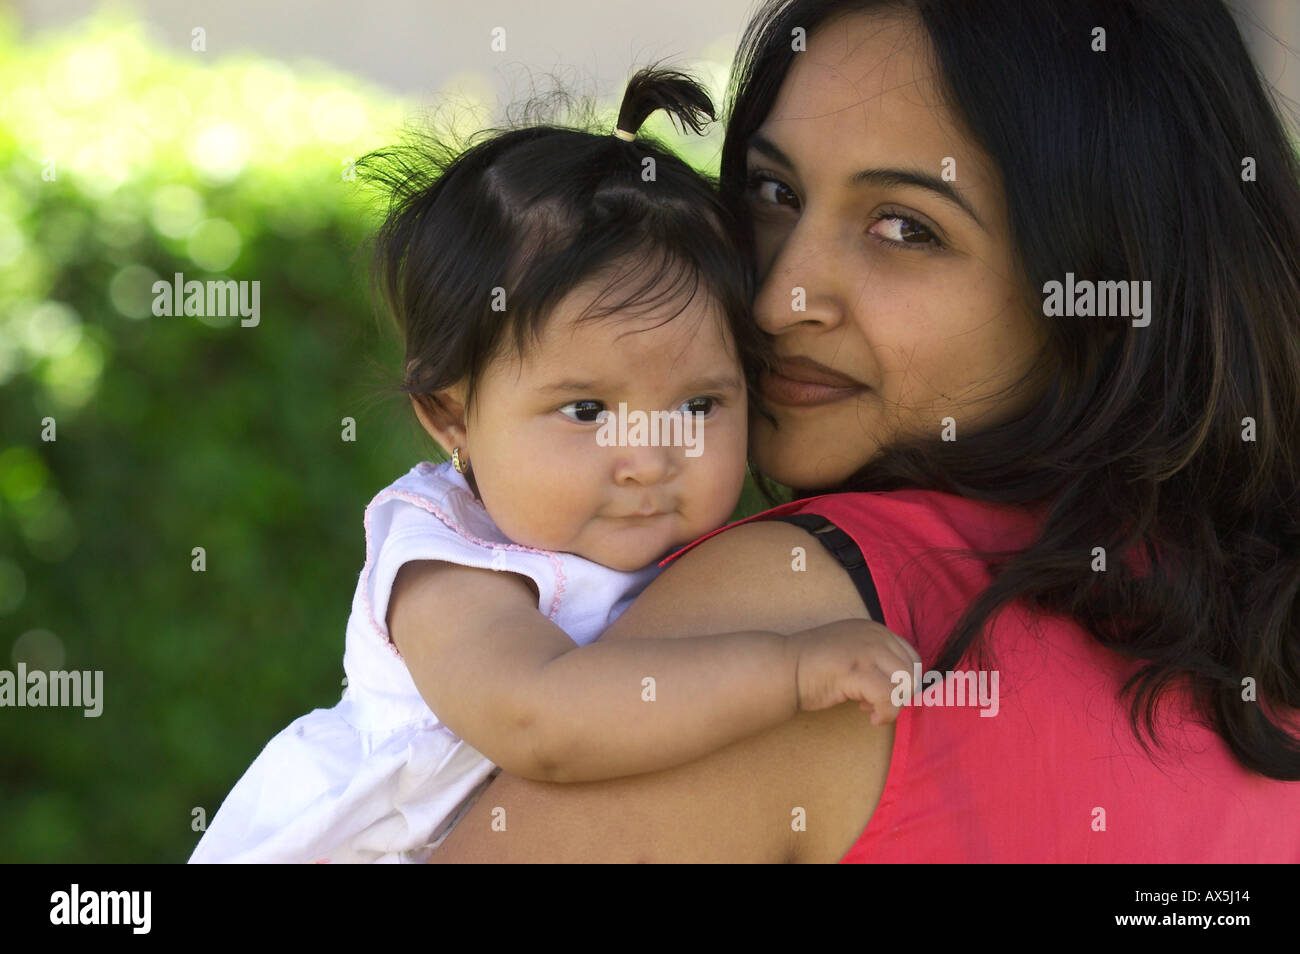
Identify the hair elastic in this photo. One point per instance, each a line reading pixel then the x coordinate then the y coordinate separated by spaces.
pixel 624 134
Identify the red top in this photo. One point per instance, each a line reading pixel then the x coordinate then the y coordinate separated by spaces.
pixel 1056 775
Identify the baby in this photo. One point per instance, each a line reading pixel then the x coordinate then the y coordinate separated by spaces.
pixel 557 290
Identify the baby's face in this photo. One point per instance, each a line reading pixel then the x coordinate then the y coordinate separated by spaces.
pixel 553 470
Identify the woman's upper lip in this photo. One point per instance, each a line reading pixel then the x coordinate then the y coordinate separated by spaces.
pixel 810 372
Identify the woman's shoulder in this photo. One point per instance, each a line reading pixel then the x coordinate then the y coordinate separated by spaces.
pixel 930 518
pixel 916 558
pixel 905 519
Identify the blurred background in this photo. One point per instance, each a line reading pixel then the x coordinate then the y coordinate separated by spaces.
pixel 215 140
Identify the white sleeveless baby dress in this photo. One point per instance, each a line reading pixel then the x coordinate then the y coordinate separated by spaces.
pixel 378 778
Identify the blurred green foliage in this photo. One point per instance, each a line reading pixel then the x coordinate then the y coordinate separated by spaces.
pixel 123 164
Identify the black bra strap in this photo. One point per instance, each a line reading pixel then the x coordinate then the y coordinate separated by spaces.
pixel 842 547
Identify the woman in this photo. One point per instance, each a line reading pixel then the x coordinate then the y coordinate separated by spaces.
pixel 917 175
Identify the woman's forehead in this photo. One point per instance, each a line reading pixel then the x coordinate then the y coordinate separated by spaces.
pixel 867 77
pixel 867 83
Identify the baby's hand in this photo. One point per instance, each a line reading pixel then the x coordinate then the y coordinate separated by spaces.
pixel 853 659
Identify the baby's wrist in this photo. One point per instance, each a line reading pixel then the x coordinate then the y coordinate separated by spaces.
pixel 796 645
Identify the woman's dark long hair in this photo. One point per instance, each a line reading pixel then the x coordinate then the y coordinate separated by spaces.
pixel 1177 442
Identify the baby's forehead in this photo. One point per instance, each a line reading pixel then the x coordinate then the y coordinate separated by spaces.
pixel 682 327
pixel 632 349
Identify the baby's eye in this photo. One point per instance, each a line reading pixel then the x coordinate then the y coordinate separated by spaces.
pixel 703 406
pixel 585 412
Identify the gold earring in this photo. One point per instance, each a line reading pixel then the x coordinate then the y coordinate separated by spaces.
pixel 460 465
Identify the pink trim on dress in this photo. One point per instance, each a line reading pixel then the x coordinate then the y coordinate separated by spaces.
pixel 424 503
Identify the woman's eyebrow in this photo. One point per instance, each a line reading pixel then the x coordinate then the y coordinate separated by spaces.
pixel 879 177
pixel 922 180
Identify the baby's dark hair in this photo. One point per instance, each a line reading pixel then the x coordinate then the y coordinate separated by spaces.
pixel 536 210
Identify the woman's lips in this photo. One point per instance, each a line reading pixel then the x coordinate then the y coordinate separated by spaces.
pixel 805 385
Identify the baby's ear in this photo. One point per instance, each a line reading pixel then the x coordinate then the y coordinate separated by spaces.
pixel 442 415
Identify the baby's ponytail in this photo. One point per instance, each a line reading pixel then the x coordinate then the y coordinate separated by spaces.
pixel 651 89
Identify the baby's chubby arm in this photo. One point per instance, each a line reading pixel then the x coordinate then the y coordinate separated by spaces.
pixel 511 683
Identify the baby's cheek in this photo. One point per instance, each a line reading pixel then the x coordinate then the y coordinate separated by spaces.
pixel 553 518
pixel 524 502
pixel 719 489
pixel 572 522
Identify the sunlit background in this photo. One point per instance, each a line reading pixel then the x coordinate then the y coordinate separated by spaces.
pixel 215 140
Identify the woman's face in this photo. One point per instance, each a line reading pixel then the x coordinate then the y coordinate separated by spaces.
pixel 885 258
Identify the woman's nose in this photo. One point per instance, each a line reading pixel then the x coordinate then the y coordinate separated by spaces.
pixel 804 281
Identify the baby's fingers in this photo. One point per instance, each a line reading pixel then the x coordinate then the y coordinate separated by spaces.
pixel 875 691
pixel 899 671
pixel 908 649
pixel 879 716
pixel 903 651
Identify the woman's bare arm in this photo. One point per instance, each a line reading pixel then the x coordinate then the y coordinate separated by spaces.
pixel 743 802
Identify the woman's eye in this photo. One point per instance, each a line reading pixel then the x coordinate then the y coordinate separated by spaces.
pixel 900 230
pixel 771 191
pixel 702 406
pixel 584 412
